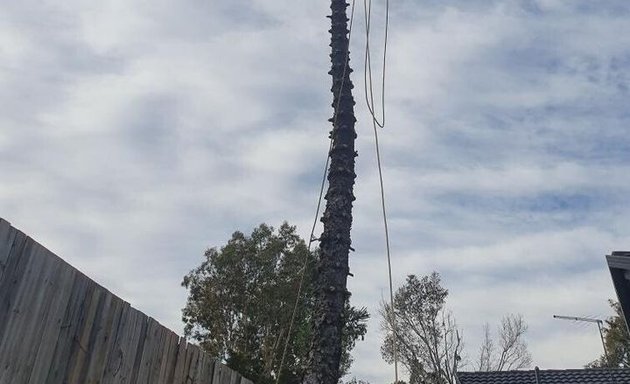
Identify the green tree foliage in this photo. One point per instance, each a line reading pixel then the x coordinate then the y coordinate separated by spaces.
pixel 617 341
pixel 429 345
pixel 241 299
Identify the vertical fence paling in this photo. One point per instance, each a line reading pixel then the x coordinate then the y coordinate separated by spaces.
pixel 57 326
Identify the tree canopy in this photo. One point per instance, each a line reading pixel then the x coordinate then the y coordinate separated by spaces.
pixel 429 344
pixel 241 299
pixel 616 340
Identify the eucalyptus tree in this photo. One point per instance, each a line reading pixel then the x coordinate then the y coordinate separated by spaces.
pixel 428 342
pixel 241 300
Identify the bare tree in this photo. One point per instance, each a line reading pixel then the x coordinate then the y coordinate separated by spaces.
pixel 429 344
pixel 485 351
pixel 511 352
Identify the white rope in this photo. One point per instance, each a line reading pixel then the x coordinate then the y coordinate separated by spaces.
pixel 369 98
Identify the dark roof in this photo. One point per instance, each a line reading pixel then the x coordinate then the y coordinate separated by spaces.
pixel 619 266
pixel 550 376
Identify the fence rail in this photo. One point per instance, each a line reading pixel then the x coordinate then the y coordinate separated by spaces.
pixel 57 326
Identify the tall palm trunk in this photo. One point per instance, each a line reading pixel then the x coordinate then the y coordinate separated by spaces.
pixel 332 268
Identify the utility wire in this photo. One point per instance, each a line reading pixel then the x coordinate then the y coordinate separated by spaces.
pixel 319 202
pixel 369 98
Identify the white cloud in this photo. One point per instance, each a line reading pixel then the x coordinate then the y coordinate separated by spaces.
pixel 134 135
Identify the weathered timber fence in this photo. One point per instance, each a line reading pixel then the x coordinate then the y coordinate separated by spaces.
pixel 59 326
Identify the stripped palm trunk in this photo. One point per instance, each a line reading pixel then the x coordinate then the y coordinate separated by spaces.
pixel 332 267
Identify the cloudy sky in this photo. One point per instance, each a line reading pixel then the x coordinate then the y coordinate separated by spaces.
pixel 135 134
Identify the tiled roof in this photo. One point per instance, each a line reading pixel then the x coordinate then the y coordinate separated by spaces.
pixel 551 376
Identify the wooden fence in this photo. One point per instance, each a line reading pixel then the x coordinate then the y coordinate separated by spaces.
pixel 59 326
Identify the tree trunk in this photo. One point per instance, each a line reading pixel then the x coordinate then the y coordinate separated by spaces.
pixel 332 266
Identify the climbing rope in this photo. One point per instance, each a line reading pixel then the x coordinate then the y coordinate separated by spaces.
pixel 369 99
pixel 367 72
